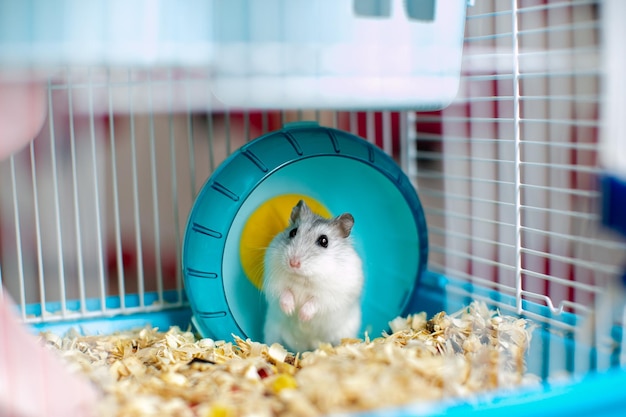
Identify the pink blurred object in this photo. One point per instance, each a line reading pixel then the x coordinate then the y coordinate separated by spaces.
pixel 22 113
pixel 33 381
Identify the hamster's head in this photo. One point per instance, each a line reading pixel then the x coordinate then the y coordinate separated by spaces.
pixel 312 247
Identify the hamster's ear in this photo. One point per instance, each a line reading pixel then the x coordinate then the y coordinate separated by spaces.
pixel 299 210
pixel 345 223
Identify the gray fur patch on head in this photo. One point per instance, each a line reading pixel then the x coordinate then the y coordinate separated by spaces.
pixel 301 211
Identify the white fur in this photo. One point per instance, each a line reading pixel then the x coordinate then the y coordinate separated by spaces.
pixel 320 301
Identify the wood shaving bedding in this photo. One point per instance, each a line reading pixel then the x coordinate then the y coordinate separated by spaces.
pixel 148 372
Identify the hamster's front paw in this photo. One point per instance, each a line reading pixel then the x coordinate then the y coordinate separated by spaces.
pixel 307 311
pixel 287 302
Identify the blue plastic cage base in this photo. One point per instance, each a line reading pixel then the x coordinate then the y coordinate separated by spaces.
pixel 167 313
pixel 593 393
pixel 163 320
pixel 597 394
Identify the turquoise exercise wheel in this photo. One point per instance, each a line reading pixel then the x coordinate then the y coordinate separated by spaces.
pixel 248 199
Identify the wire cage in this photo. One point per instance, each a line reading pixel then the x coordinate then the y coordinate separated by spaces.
pixel 93 211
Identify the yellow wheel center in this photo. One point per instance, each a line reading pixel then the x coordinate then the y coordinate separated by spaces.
pixel 269 219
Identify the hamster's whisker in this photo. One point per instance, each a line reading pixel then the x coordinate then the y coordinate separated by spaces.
pixel 258 248
pixel 258 271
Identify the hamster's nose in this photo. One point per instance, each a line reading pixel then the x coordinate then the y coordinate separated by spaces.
pixel 294 263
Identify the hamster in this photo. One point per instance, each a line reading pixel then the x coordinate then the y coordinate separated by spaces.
pixel 313 279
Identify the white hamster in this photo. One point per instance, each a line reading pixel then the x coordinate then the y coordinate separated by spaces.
pixel 313 281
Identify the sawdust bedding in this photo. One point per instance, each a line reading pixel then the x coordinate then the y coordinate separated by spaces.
pixel 150 372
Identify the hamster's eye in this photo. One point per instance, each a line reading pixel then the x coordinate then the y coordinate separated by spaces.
pixel 292 232
pixel 322 241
